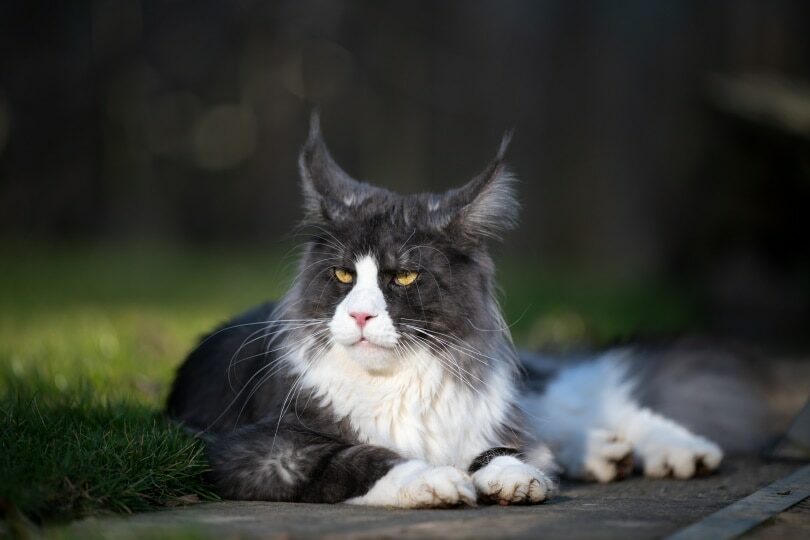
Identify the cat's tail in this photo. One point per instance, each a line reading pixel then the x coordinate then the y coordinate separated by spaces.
pixel 741 399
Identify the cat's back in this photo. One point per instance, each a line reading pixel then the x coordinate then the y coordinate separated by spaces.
pixel 226 380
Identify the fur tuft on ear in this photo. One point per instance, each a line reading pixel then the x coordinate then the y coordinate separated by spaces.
pixel 329 193
pixel 487 205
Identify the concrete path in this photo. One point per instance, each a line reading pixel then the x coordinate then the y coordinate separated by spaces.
pixel 634 508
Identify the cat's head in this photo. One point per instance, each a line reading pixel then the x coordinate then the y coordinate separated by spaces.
pixel 391 273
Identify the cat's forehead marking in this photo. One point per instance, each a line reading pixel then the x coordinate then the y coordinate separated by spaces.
pixel 366 269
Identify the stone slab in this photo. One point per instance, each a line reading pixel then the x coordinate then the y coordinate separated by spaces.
pixel 634 508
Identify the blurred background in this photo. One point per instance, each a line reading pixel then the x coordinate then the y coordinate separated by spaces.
pixel 148 153
pixel 148 184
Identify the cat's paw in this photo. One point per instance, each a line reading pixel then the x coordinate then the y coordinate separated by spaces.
pixel 415 484
pixel 608 456
pixel 507 480
pixel 677 453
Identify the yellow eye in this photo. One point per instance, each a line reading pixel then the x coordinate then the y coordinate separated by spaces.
pixel 343 275
pixel 405 277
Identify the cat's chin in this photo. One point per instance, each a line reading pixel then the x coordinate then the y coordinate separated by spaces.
pixel 373 358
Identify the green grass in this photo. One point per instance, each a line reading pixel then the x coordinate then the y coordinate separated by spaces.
pixel 90 338
pixel 68 456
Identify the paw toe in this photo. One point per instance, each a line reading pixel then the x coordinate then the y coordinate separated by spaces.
pixel 691 459
pixel 624 466
pixel 516 483
pixel 609 457
pixel 701 469
pixel 441 487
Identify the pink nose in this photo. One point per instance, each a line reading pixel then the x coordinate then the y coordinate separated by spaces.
pixel 361 318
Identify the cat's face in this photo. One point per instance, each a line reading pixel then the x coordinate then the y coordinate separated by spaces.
pixel 392 274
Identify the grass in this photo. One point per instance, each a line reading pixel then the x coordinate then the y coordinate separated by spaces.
pixel 90 338
pixel 69 456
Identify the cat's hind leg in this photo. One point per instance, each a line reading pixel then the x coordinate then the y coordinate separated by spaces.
pixel 665 448
pixel 597 429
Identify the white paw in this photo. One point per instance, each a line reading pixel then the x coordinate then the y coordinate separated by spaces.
pixel 507 480
pixel 678 453
pixel 608 456
pixel 415 484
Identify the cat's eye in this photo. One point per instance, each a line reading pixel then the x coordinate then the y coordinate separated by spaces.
pixel 343 275
pixel 405 277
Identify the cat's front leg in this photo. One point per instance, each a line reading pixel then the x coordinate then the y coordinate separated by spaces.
pixel 284 462
pixel 416 484
pixel 501 477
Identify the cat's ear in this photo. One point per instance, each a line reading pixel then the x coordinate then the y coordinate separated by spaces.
pixel 487 205
pixel 329 193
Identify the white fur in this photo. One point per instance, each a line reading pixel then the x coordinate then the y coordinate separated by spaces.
pixel 507 480
pixel 418 408
pixel 415 484
pixel 666 447
pixel 365 297
pixel 541 457
pixel 409 402
pixel 590 419
pixel 603 452
pixel 406 401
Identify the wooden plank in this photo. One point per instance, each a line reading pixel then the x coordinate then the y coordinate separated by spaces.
pixel 747 513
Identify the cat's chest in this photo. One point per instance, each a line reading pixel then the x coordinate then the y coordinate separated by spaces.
pixel 421 411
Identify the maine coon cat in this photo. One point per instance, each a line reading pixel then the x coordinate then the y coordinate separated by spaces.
pixel 387 375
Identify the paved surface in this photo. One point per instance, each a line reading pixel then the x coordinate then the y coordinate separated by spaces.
pixel 634 508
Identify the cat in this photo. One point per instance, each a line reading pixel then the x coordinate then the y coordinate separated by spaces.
pixel 387 375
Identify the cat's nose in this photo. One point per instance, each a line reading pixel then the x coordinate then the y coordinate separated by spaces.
pixel 361 318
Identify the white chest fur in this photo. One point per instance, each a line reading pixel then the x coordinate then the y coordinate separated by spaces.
pixel 419 410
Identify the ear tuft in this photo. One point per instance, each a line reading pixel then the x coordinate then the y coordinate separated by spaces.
pixel 506 140
pixel 328 191
pixel 314 124
pixel 487 205
pixel 495 209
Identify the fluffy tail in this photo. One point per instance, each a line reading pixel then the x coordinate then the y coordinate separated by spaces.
pixel 740 399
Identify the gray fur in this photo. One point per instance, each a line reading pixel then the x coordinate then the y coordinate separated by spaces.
pixel 484 207
pixel 265 439
pixel 268 439
pixel 710 387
